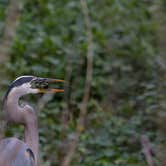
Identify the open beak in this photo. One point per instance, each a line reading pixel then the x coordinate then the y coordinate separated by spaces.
pixel 47 89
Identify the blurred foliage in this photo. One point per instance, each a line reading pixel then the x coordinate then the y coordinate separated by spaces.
pixel 51 42
pixel 3 5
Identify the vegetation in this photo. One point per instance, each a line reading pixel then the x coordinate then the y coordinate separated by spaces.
pixel 52 41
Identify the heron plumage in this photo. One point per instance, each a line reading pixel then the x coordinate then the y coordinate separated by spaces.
pixel 15 152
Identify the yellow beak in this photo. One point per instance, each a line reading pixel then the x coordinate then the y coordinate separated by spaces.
pixel 51 90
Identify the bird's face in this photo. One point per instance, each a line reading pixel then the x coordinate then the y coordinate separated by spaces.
pixel 44 85
pixel 29 84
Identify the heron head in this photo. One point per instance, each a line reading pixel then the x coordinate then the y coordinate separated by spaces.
pixel 31 84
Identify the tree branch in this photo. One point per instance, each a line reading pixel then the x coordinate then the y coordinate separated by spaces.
pixel 89 71
pixel 12 19
pixel 147 150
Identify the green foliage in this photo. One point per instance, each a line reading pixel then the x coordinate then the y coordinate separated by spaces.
pixel 51 42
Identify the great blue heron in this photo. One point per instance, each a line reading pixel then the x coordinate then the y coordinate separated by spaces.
pixel 14 152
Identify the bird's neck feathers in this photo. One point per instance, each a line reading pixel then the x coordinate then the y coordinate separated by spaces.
pixel 11 103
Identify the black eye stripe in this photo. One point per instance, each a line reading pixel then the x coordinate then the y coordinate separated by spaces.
pixel 22 80
pixel 19 82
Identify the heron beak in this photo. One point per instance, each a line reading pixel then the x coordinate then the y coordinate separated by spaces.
pixel 49 80
pixel 51 90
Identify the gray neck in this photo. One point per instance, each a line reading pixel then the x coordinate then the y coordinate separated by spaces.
pixel 31 134
pixel 23 115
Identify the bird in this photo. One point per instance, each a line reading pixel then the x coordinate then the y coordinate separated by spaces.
pixel 15 152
